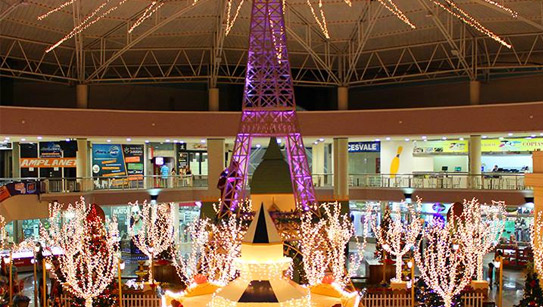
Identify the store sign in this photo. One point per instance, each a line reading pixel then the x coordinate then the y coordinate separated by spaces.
pixel 364 147
pixel 50 150
pixel 5 146
pixel 439 147
pixel 47 162
pixel 512 145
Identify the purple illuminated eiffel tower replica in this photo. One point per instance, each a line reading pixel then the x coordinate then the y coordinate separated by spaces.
pixel 269 108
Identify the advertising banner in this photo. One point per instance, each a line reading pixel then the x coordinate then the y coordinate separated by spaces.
pixel 50 150
pixel 111 160
pixel 440 147
pixel 18 188
pixel 47 162
pixel 512 145
pixel 364 147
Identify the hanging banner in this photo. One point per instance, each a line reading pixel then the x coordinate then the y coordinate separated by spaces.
pixel 111 160
pixel 439 147
pixel 47 162
pixel 364 147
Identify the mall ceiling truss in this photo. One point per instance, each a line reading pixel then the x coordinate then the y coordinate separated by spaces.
pixel 363 57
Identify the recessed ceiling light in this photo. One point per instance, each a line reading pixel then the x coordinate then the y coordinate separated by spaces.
pixel 176 141
pixel 109 141
pixel 202 141
pixel 39 138
pixel 167 140
pixel 23 140
pixel 484 136
pixel 377 140
pixel 533 135
pixel 424 137
pixel 258 145
pixel 316 142
pixel 146 141
pixel 444 138
pixel 539 134
pixel 407 140
pixel 128 139
pixel 67 140
pixel 387 138
pixel 461 139
pixel 501 137
pixel 510 134
pixel 321 140
pixel 279 141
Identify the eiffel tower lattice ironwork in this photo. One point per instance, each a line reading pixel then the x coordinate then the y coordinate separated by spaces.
pixel 269 108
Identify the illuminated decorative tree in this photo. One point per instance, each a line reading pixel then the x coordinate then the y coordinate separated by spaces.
pixel 400 235
pixel 90 248
pixel 152 231
pixel 537 243
pixel 213 250
pixel 479 227
pixel 323 244
pixel 445 266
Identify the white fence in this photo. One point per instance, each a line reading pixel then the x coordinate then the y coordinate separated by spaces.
pixel 404 300
pixel 129 300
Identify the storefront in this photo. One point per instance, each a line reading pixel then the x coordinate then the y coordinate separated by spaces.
pixel 118 165
pixel 48 159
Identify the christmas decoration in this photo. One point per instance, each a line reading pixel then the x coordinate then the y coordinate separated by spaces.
pixel 533 294
pixel 444 265
pixel 400 235
pixel 323 245
pixel 479 227
pixel 380 252
pixel 152 230
pixel 89 259
pixel 537 243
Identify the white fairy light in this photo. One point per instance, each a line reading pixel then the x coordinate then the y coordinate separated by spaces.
pixel 86 268
pixel 153 230
pixel 444 265
pixel 322 245
pixel 56 9
pixel 400 236
pixel 393 8
pixel 213 251
pixel 231 20
pixel 479 228
pixel 537 242
pixel 457 12
pixel 149 11
pixel 503 7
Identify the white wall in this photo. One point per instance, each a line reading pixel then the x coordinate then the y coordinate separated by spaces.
pixel 451 162
pixel 506 161
pixel 408 163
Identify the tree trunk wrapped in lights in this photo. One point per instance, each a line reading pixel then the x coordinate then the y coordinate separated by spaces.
pixel 152 230
pixel 400 235
pixel 90 248
pixel 537 244
pixel 445 266
pixel 322 245
pixel 213 250
pixel 479 227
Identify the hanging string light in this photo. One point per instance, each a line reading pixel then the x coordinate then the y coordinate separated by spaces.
pixel 393 8
pixel 501 6
pixel 450 7
pixel 537 242
pixel 149 11
pixel 401 235
pixel 231 19
pixel 479 227
pixel 444 265
pixel 89 258
pixel 153 230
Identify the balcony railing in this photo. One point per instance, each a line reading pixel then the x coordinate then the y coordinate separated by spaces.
pixel 486 181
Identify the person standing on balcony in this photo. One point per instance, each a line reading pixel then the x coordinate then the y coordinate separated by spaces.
pixel 164 173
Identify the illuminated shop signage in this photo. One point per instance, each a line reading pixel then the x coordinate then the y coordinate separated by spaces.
pixel 47 162
pixel 364 146
pixel 487 146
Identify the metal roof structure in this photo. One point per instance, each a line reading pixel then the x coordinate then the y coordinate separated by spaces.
pixel 184 41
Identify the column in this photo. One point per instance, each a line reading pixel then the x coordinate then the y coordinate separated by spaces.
pixel 475 178
pixel 215 165
pixel 82 96
pixel 341 168
pixel 317 165
pixel 474 92
pixel 535 180
pixel 82 158
pixel 213 99
pixel 343 98
pixel 15 155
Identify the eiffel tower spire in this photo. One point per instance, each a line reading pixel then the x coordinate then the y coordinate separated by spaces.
pixel 269 108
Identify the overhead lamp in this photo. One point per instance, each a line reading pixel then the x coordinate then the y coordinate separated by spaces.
pixel 444 138
pixel 533 135
pixel 484 136
pixel 109 141
pixel 424 137
pixel 258 145
pixel 407 140
pixel 146 141
pixel 321 140
pixel 510 134
pixel 202 141
pixel 39 137
pixel 167 140
pixel 461 139
pixel 387 138
pixel 23 140
pixel 279 141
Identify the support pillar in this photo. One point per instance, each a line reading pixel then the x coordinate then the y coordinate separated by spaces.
pixel 535 180
pixel 83 171
pixel 213 99
pixel 341 168
pixel 82 96
pixel 343 98
pixel 215 165
pixel 15 156
pixel 475 178
pixel 317 165
pixel 474 92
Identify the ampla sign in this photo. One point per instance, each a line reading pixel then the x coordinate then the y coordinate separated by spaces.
pixel 47 162
pixel 364 147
